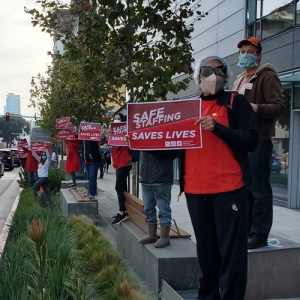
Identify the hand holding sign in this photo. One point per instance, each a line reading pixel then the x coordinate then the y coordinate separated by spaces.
pixel 207 123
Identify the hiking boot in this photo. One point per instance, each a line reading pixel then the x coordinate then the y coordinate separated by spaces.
pixel 151 237
pixel 119 218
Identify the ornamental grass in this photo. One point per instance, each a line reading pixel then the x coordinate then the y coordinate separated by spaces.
pixel 50 257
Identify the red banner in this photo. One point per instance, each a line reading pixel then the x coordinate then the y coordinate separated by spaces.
pixel 38 146
pixel 89 131
pixel 63 122
pixel 64 134
pixel 117 134
pixel 164 125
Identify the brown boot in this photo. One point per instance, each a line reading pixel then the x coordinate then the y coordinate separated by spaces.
pixel 164 240
pixel 151 237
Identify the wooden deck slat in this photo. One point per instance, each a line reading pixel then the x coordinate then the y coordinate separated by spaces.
pixel 79 194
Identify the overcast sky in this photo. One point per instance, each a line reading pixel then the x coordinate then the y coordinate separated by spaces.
pixel 23 52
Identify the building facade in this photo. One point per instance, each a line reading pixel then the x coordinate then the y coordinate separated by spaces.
pixel 277 24
pixel 13 104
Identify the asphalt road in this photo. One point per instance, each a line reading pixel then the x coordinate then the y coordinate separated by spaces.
pixel 9 190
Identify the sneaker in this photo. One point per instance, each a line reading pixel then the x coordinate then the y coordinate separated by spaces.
pixel 119 218
pixel 91 197
pixel 113 217
pixel 71 185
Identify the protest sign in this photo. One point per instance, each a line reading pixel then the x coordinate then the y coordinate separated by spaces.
pixel 164 125
pixel 38 146
pixel 63 122
pixel 64 134
pixel 89 131
pixel 20 145
pixel 117 134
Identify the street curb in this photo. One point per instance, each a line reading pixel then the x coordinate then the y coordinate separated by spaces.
pixel 5 231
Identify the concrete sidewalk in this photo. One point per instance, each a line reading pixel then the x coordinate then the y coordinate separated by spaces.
pixel 286 222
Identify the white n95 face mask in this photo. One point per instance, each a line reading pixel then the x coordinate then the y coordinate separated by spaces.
pixel 117 121
pixel 212 84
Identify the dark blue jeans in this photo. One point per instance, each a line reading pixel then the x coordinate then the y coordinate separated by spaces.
pixel 91 171
pixel 260 209
pixel 42 182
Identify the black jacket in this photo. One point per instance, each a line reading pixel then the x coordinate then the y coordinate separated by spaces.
pixel 157 166
pixel 240 136
pixel 90 151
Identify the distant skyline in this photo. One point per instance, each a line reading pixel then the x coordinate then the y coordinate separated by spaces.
pixel 23 52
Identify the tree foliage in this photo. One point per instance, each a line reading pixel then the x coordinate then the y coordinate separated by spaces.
pixel 10 130
pixel 108 45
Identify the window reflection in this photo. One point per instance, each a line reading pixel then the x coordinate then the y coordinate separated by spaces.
pixel 269 6
pixel 280 156
pixel 298 12
pixel 296 102
pixel 278 20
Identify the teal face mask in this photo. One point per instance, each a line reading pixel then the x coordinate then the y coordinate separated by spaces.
pixel 44 157
pixel 247 61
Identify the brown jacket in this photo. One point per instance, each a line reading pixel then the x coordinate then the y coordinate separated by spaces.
pixel 266 92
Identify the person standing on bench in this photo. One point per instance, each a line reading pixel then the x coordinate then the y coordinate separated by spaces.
pixel 121 158
pixel 216 180
pixel 156 177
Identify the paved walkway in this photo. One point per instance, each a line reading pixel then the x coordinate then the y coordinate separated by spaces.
pixel 286 222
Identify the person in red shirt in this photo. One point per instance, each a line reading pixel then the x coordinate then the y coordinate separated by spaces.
pixel 216 180
pixel 122 162
pixel 31 166
pixel 73 159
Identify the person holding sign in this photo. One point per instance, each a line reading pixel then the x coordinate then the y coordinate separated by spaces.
pixel 43 169
pixel 73 159
pixel 216 179
pixel 31 167
pixel 121 158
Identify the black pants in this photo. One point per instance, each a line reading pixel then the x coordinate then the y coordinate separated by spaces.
pixel 101 169
pixel 261 198
pixel 220 226
pixel 121 185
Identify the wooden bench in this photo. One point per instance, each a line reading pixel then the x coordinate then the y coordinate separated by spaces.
pixel 135 211
pixel 81 194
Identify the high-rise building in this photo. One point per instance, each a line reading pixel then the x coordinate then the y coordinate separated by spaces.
pixel 13 104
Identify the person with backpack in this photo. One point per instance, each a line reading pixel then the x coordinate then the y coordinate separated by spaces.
pixel 216 180
pixel 122 162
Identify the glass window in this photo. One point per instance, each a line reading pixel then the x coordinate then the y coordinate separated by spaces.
pixel 250 30
pixel 298 13
pixel 251 11
pixel 280 156
pixel 296 100
pixel 273 6
pixel 278 20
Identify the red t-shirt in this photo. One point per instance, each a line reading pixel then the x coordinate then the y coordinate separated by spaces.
pixel 212 168
pixel 121 157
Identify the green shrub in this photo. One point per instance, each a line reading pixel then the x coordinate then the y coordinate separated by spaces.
pixel 55 177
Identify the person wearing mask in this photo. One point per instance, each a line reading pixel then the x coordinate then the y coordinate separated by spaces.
pixel 73 159
pixel 261 86
pixel 216 179
pixel 122 163
pixel 43 169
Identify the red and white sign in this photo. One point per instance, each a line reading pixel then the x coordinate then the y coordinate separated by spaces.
pixel 117 135
pixel 38 146
pixel 64 134
pixel 63 122
pixel 164 125
pixel 20 145
pixel 89 131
